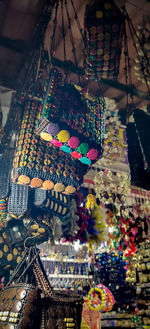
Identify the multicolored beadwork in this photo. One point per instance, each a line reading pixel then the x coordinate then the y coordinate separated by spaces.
pixel 103 27
pixel 43 162
pixel 77 125
pixel 3 211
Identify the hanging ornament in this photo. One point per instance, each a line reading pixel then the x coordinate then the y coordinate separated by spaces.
pixel 91 201
pixel 142 61
pixel 115 144
pixel 100 299
pixel 112 187
pixel 103 27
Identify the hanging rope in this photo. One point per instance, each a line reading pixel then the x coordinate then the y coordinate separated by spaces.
pixel 127 67
pixel 71 37
pixel 54 33
pixel 63 31
pixel 133 35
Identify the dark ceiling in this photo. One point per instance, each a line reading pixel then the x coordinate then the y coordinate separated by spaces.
pixel 18 19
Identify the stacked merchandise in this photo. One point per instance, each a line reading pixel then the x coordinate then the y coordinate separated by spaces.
pixel 67 267
pixel 109 270
pixel 142 266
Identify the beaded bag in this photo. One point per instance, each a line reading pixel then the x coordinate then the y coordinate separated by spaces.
pixel 17 200
pixel 103 28
pixel 71 120
pixel 39 163
pixel 22 306
pixel 56 203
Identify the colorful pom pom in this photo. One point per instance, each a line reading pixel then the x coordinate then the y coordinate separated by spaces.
pixel 74 142
pixel 46 137
pixel 66 149
pixel 85 160
pixel 83 148
pixel 76 155
pixel 53 129
pixel 93 154
pixel 63 136
pixel 56 143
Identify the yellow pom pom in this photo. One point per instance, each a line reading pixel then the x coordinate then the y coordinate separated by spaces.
pixel 91 201
pixel 63 136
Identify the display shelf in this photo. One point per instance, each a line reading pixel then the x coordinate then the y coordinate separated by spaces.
pixel 65 260
pixel 71 276
pixel 143 285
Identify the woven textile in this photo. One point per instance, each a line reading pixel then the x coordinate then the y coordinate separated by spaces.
pixel 57 203
pixel 62 310
pixel 18 199
pixel 103 27
pixel 39 196
pixel 5 167
pixel 71 120
pixel 39 163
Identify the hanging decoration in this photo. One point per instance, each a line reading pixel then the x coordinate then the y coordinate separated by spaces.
pixel 77 127
pixel 142 61
pixel 115 144
pixel 99 232
pixel 100 298
pixel 103 27
pixel 39 163
pixel 139 161
pixel 142 122
pixel 111 187
pixel 110 271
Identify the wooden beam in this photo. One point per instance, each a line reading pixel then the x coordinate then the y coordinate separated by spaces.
pixel 18 46
pixel 131 90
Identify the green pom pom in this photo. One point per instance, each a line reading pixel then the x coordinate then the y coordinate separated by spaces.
pixel 83 148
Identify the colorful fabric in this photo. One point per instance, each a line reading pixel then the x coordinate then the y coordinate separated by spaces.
pixel 71 120
pixel 39 164
pixel 89 318
pixel 103 27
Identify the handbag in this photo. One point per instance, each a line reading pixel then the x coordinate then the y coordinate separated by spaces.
pixel 103 30
pixel 13 237
pixel 18 300
pixel 72 120
pixel 28 301
pixel 57 310
pixel 39 164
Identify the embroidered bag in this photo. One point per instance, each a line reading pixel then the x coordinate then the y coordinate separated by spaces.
pixel 71 120
pixel 40 164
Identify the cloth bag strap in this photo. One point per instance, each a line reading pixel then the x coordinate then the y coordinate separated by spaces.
pixel 26 262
